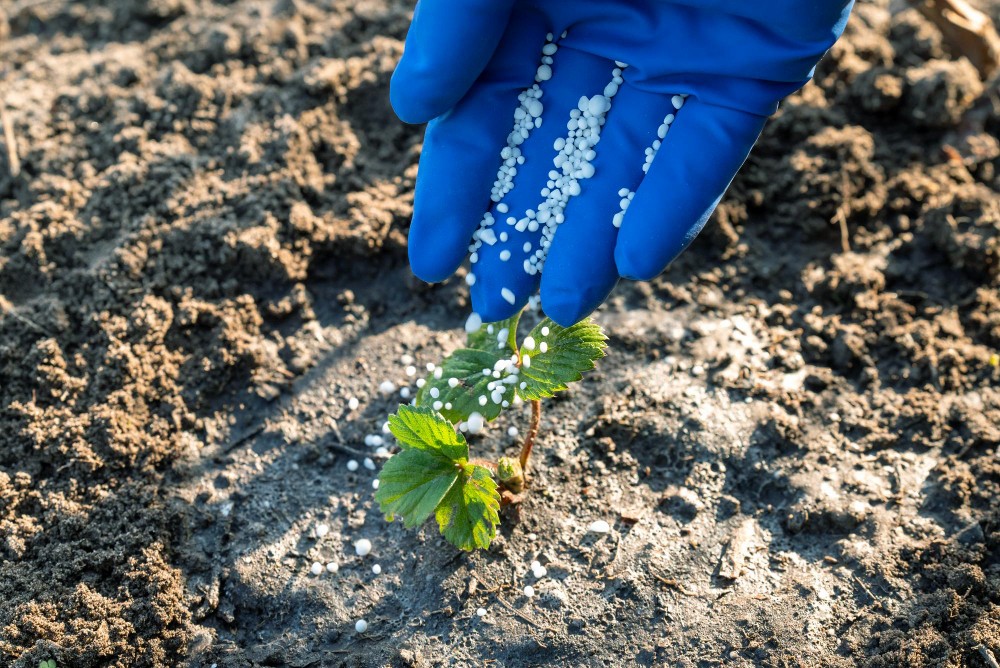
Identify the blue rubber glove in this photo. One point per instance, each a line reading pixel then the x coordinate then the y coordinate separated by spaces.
pixel 702 76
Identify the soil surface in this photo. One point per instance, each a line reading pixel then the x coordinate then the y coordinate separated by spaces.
pixel 202 258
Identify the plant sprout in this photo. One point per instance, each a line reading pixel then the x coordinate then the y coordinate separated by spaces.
pixel 433 474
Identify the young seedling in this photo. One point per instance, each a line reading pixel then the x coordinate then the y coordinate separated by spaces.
pixel 433 473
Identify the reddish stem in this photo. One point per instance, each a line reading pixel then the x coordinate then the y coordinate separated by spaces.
pixel 529 438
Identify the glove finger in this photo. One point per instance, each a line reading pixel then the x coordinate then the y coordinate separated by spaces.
pixel 448 45
pixel 503 283
pixel 461 153
pixel 580 270
pixel 703 150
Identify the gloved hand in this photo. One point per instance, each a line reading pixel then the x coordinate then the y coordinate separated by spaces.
pixel 529 87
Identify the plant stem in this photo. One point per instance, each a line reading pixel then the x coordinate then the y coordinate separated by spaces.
pixel 529 438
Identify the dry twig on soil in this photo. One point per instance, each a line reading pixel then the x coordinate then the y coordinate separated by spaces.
pixel 10 140
pixel 969 31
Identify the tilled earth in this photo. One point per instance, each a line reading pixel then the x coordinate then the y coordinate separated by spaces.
pixel 202 258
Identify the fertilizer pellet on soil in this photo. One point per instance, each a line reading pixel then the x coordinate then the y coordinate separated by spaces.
pixel 362 547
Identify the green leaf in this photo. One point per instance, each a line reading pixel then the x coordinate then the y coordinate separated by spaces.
pixel 412 484
pixel 485 338
pixel 432 476
pixel 468 516
pixel 486 347
pixel 422 429
pixel 466 366
pixel 568 353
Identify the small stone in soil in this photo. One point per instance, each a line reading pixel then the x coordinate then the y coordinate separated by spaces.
pixel 599 526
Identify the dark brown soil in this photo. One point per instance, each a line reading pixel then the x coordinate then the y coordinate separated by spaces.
pixel 202 257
